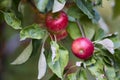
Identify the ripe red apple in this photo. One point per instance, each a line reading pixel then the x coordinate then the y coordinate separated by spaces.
pixel 61 35
pixel 56 22
pixel 82 48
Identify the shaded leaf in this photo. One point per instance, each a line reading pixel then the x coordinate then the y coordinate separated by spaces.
pixel 97 70
pixel 42 65
pixel 12 20
pixel 110 72
pixel 33 31
pixel 74 12
pixel 87 8
pixel 57 6
pixel 24 56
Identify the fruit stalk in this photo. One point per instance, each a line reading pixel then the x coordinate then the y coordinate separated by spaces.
pixel 81 28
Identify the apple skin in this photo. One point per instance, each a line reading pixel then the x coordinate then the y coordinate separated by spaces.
pixel 82 48
pixel 56 22
pixel 61 35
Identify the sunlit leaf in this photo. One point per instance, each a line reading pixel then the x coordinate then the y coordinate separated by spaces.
pixel 41 4
pixel 12 20
pixel 42 65
pixel 57 6
pixel 73 30
pixel 75 33
pixel 54 49
pixel 58 66
pixel 33 31
pixel 108 44
pixel 24 56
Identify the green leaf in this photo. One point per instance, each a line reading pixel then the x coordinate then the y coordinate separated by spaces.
pixel 42 65
pixel 12 20
pixel 87 8
pixel 21 7
pixel 57 6
pixel 55 50
pixel 73 30
pixel 62 1
pixel 98 2
pixel 58 66
pixel 89 75
pixel 72 76
pixel 110 72
pixel 75 12
pixel 89 30
pixel 5 4
pixel 41 4
pixel 36 45
pixel 97 70
pixel 24 56
pixel 49 5
pixel 75 33
pixel 116 42
pixel 100 34
pixel 108 44
pixel 32 31
pixel 82 75
pixel 90 62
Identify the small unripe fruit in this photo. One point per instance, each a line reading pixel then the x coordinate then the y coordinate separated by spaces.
pixel 56 22
pixel 82 48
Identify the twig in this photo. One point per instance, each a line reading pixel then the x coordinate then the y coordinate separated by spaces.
pixel 81 28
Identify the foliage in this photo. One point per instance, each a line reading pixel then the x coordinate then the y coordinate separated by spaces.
pixel 103 65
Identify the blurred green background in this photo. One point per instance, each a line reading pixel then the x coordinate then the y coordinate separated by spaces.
pixel 10 46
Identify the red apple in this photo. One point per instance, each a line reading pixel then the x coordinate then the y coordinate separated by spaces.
pixel 56 22
pixel 82 48
pixel 61 35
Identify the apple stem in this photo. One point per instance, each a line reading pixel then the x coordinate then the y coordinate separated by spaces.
pixel 81 28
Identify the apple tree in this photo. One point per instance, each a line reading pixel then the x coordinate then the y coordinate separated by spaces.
pixel 68 35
